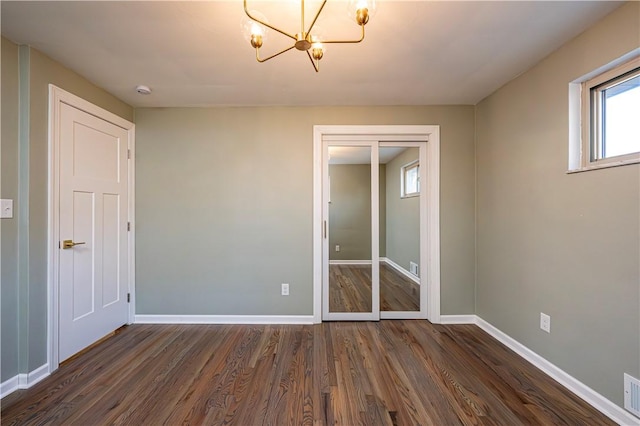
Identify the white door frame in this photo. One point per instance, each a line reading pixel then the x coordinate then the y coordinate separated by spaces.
pixel 431 134
pixel 57 97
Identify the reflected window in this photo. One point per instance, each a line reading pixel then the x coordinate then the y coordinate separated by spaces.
pixel 410 180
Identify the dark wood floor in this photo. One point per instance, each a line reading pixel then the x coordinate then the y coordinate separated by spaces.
pixel 365 373
pixel 350 289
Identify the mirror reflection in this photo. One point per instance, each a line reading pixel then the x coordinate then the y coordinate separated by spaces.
pixel 399 229
pixel 350 254
pixel 350 229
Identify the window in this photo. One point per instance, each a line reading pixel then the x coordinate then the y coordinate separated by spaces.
pixel 610 109
pixel 410 180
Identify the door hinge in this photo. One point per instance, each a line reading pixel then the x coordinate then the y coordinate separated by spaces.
pixel 128 154
pixel 128 226
pixel 128 297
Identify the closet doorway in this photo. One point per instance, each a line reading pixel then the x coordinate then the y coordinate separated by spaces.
pixel 376 201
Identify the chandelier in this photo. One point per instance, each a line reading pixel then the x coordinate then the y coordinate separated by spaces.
pixel 255 27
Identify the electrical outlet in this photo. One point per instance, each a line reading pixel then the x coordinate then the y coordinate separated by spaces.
pixel 285 289
pixel 545 322
pixel 6 209
pixel 337 247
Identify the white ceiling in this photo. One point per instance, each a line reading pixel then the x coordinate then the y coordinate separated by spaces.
pixel 193 53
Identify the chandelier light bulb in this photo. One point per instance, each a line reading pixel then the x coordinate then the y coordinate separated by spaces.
pixel 317 37
pixel 362 4
pixel 317 48
pixel 317 51
pixel 256 29
pixel 254 32
pixel 362 10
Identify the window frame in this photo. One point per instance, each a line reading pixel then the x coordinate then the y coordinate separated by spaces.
pixel 591 145
pixel 403 173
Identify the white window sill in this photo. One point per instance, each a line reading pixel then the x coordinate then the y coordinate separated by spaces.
pixel 416 194
pixel 605 165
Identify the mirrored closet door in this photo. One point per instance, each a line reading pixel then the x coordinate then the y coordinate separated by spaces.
pixel 374 224
pixel 351 272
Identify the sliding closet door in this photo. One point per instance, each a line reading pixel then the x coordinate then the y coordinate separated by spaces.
pixel 351 231
pixel 403 229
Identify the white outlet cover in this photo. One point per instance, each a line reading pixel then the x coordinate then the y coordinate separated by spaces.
pixel 545 322
pixel 6 209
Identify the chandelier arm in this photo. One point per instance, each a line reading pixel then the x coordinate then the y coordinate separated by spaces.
pixel 316 17
pixel 315 67
pixel 272 56
pixel 266 24
pixel 345 41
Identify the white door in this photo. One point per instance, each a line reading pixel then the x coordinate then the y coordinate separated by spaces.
pixel 93 211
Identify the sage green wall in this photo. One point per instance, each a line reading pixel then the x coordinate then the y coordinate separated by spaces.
pixel 224 205
pixel 9 227
pixel 350 212
pixel 563 244
pixel 37 71
pixel 403 215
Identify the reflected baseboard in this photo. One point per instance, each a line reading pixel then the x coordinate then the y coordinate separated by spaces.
pixel 349 262
pixel 400 269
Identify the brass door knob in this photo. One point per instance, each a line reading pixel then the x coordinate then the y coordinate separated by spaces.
pixel 67 244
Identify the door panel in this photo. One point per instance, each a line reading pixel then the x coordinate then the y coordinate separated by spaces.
pixel 98 159
pixel 110 249
pixel 400 265
pixel 351 266
pixel 82 256
pixel 350 230
pixel 93 213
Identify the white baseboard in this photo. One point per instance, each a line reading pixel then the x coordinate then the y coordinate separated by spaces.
pixel 10 385
pixel 224 319
pixel 458 319
pixel 599 402
pixel 400 269
pixel 23 381
pixel 349 262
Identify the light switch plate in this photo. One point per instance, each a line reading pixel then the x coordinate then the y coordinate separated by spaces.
pixel 6 209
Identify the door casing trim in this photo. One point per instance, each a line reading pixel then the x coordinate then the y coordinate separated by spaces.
pixel 382 133
pixel 58 96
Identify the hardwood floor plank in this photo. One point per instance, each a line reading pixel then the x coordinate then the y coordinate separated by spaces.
pixel 523 378
pixel 468 394
pixel 363 373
